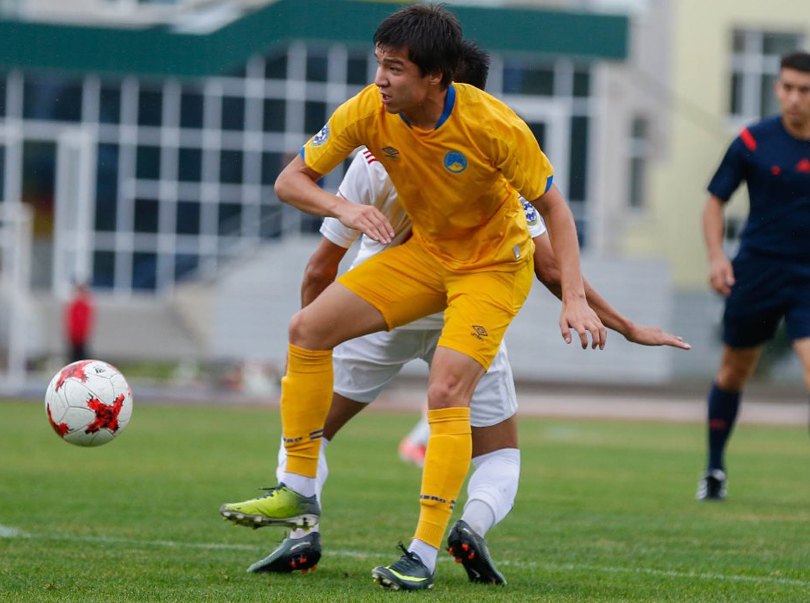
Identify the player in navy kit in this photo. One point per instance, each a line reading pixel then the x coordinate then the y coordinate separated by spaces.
pixel 769 278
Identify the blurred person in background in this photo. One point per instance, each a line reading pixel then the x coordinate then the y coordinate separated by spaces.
pixel 79 323
pixel 769 278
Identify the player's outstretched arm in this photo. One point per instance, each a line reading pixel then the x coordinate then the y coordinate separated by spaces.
pixel 297 185
pixel 721 273
pixel 321 270
pixel 545 267
pixel 576 314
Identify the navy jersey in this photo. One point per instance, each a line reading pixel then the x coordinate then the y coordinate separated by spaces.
pixel 776 168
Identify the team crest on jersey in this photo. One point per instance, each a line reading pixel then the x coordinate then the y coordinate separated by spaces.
pixel 531 213
pixel 455 162
pixel 321 137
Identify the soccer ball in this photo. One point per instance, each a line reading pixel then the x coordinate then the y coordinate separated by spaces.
pixel 88 403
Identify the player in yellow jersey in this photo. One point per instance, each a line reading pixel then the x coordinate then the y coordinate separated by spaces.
pixel 456 156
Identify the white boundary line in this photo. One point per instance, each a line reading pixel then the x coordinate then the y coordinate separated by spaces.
pixel 9 532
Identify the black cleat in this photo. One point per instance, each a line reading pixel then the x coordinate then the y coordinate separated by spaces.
pixel 409 573
pixel 470 550
pixel 712 485
pixel 291 555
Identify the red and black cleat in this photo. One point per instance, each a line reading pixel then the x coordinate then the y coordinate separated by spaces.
pixel 470 549
pixel 293 554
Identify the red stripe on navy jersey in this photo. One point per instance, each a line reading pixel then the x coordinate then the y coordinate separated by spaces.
pixel 748 140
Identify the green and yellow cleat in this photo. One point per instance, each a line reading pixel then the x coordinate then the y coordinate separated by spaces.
pixel 281 506
pixel 408 573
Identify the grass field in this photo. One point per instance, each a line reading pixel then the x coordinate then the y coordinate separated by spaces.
pixel 605 513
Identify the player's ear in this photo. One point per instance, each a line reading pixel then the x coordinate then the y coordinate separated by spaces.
pixel 435 78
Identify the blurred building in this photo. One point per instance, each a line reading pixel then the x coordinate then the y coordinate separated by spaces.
pixel 146 135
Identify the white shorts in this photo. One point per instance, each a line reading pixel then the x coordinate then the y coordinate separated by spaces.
pixel 365 365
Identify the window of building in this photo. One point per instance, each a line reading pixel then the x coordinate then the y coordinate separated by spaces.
pixel 148 163
pixel 275 67
pixel 274 115
pixel 522 77
pixel 754 70
pixel 106 187
pixel 357 69
pixel 104 269
pixel 188 218
pixel 144 270
pixel 147 214
pixel 317 65
pixel 2 94
pixel 109 110
pixel 191 109
pixel 52 98
pixel 233 113
pixel 639 151
pixel 230 167
pixel 189 165
pixel 150 106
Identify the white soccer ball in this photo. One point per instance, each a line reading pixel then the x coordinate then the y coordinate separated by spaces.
pixel 88 403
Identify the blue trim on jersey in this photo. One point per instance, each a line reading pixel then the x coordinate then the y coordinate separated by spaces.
pixel 549 182
pixel 449 103
pixel 303 154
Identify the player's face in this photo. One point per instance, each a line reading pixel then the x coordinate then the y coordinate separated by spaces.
pixel 793 93
pixel 402 85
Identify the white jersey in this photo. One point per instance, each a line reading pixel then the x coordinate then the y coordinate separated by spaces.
pixel 366 182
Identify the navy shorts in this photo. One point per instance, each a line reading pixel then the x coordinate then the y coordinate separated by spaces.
pixel 765 291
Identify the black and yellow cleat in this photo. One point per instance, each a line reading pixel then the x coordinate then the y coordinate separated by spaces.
pixel 409 573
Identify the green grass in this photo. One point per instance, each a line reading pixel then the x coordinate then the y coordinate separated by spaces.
pixel 605 512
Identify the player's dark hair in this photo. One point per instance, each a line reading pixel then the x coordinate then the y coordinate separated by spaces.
pixel 430 34
pixel 473 66
pixel 800 61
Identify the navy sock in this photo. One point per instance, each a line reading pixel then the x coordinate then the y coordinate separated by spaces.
pixel 723 406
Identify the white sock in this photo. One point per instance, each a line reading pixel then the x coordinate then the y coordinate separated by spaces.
pixel 492 488
pixel 320 480
pixel 425 552
pixel 479 516
pixel 303 485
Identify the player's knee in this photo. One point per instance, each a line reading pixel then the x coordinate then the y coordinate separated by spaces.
pixel 302 332
pixel 446 392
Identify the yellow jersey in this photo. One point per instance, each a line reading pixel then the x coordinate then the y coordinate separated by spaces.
pixel 458 181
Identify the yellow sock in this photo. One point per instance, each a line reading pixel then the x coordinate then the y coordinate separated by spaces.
pixel 448 457
pixel 306 395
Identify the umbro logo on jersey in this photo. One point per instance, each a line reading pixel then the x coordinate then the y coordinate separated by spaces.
pixel 391 152
pixel 479 332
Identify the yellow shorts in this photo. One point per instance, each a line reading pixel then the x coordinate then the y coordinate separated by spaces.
pixel 406 282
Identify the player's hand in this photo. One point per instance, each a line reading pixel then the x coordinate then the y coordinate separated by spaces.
pixel 579 316
pixel 367 219
pixel 644 335
pixel 721 275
